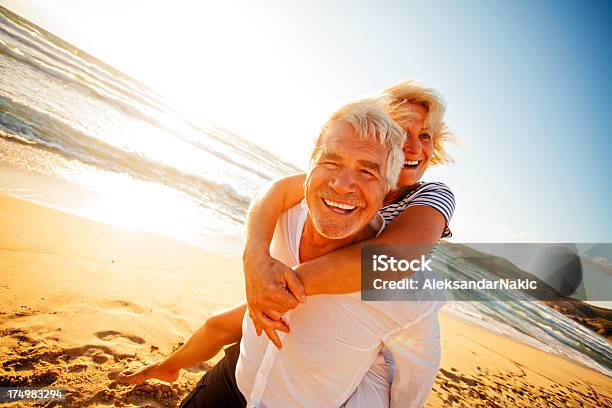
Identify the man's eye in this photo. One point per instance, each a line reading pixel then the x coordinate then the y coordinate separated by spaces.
pixel 368 174
pixel 330 165
pixel 425 136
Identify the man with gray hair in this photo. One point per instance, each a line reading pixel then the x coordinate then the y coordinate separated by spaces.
pixel 332 357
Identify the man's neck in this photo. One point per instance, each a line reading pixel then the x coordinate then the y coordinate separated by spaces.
pixel 314 245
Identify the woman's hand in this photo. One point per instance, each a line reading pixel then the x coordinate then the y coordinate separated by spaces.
pixel 272 289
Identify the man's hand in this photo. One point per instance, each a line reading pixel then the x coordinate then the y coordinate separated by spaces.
pixel 272 288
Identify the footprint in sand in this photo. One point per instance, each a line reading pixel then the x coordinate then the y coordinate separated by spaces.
pixel 124 304
pixel 109 335
pixel 19 335
pixel 77 368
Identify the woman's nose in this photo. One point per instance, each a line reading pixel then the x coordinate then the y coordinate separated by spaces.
pixel 413 144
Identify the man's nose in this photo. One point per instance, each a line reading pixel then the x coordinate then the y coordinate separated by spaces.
pixel 343 182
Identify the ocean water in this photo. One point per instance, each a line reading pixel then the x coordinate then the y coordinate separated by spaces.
pixel 529 321
pixel 125 155
pixel 78 135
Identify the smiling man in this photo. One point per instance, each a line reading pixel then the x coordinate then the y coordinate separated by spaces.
pixel 345 187
pixel 333 355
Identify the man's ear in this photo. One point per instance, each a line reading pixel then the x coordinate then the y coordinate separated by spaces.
pixel 386 187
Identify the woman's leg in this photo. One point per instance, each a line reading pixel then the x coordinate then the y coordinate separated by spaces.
pixel 220 329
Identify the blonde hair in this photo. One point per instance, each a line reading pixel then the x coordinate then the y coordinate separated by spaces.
pixel 370 121
pixel 404 93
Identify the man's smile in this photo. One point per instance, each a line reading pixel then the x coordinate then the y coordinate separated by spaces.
pixel 339 207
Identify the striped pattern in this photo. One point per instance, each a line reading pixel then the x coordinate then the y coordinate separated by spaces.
pixel 435 195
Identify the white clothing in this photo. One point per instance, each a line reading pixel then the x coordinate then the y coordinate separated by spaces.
pixel 334 342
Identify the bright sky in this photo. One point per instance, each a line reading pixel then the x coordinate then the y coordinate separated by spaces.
pixel 527 85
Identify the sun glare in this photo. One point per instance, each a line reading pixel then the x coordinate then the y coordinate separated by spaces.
pixel 141 206
pixel 223 63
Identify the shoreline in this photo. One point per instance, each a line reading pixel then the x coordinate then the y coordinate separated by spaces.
pixel 50 191
pixel 82 300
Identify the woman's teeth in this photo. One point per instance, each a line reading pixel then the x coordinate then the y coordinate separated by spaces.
pixel 411 163
pixel 342 206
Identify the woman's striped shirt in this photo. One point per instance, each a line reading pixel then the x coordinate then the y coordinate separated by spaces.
pixel 435 195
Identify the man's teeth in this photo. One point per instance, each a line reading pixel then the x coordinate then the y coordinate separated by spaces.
pixel 411 163
pixel 339 205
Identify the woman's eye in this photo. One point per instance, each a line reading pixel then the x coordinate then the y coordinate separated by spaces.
pixel 425 136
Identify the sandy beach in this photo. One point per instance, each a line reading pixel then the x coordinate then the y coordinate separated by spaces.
pixel 82 300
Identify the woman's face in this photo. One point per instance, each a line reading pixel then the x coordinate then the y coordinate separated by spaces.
pixel 418 148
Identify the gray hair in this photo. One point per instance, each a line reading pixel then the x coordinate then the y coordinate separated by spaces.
pixel 370 121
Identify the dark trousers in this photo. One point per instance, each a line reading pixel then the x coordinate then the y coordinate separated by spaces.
pixel 218 387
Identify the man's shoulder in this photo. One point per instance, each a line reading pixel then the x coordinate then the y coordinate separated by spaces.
pixel 286 239
pixel 294 216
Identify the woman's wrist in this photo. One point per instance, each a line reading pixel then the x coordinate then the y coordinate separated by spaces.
pixel 254 251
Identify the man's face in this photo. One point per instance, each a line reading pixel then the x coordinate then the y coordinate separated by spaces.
pixel 346 186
